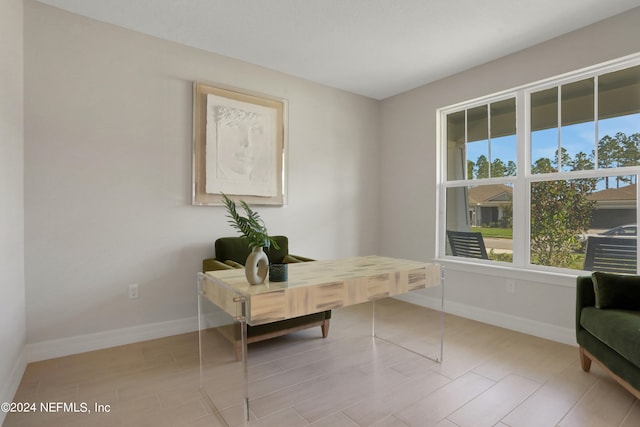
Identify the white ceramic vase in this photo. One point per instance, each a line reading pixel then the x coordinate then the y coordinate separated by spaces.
pixel 257 266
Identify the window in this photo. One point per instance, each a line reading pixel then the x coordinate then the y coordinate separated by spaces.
pixel 568 171
pixel 481 150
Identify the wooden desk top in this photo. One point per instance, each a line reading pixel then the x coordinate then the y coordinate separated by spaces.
pixel 318 286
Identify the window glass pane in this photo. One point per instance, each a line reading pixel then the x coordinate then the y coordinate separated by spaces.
pixel 619 118
pixel 455 146
pixel 481 141
pixel 485 209
pixel 544 131
pixel 565 213
pixel 560 213
pixel 619 93
pixel 578 126
pixel 478 141
pixel 613 232
pixel 503 138
pixel 478 124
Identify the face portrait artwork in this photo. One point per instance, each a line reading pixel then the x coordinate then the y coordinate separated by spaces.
pixel 240 148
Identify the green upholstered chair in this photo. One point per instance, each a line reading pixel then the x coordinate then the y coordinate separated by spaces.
pixel 608 326
pixel 232 252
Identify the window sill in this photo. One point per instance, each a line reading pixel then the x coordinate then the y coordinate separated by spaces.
pixel 504 270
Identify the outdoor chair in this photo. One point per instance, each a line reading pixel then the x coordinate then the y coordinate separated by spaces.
pixel 467 244
pixel 611 255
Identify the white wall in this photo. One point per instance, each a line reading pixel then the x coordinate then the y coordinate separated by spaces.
pixel 108 178
pixel 408 195
pixel 12 286
pixel 108 173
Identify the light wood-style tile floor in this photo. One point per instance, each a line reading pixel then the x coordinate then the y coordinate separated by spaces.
pixel 489 377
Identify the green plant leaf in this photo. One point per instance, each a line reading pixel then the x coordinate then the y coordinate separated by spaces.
pixel 250 226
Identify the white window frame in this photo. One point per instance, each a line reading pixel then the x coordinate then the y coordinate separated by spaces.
pixel 521 264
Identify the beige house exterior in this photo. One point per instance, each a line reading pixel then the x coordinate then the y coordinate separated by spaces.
pixel 490 204
pixel 614 207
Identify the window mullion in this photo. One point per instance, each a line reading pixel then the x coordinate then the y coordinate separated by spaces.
pixel 595 123
pixel 521 216
pixel 559 154
pixel 466 142
pixel 490 159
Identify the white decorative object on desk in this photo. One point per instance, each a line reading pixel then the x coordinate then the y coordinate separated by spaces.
pixel 257 266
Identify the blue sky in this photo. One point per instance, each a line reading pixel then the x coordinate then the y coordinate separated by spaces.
pixel 575 138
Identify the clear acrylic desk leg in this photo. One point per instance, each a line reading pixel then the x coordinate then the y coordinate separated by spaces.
pixel 408 323
pixel 223 358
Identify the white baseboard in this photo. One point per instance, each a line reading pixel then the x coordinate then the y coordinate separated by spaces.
pixel 82 343
pixel 9 389
pixel 503 320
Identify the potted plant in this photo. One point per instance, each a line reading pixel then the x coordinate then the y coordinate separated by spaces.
pixel 252 227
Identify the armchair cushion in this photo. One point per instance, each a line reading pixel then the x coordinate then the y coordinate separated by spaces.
pixel 290 259
pixel 618 329
pixel 233 264
pixel 211 264
pixel 616 291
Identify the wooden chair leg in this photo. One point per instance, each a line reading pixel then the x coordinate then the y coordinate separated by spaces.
pixel 585 361
pixel 325 328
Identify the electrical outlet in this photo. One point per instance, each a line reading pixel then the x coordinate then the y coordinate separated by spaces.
pixel 133 291
pixel 511 286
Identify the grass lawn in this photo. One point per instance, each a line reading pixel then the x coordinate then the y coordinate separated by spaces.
pixel 576 263
pixel 500 233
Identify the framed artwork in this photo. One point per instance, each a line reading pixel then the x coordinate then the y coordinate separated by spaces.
pixel 238 146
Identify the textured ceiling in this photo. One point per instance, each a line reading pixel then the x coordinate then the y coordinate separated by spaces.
pixel 376 48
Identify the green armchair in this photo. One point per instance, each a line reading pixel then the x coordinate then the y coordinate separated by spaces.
pixel 232 252
pixel 608 326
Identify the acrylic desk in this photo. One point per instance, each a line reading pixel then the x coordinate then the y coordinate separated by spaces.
pixel 227 303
